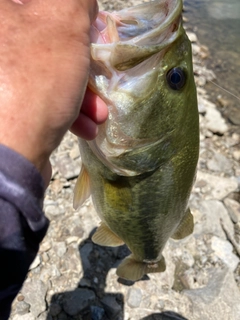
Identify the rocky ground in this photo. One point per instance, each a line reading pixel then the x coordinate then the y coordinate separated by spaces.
pixel 72 278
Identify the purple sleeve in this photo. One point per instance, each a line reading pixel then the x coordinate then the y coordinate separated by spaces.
pixel 22 223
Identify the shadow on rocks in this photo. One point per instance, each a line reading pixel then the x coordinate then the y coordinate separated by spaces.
pixel 89 301
pixel 167 315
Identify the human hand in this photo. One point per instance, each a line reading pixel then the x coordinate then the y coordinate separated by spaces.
pixel 44 65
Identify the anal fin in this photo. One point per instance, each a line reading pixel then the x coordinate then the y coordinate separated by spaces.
pixel 82 188
pixel 131 269
pixel 185 227
pixel 105 237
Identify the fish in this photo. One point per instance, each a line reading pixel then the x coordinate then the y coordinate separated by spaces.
pixel 141 167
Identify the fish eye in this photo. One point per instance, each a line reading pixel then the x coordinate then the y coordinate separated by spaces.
pixel 176 78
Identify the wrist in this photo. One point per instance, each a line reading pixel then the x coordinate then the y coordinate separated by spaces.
pixel 20 139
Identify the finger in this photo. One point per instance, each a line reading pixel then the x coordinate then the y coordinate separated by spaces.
pixel 84 127
pixel 94 107
pixel 94 10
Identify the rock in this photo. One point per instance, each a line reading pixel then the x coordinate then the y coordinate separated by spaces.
pixel 68 168
pixel 219 163
pixel 76 301
pixel 112 308
pixel 36 262
pixel 45 316
pixel 134 297
pixel 219 300
pixel 74 152
pixel 27 316
pixel 45 246
pixel 73 227
pixel 192 36
pixel 223 250
pixel 201 105
pixel 233 208
pixel 236 155
pixel 215 122
pixel 216 187
pixel 84 282
pixel 34 292
pixel 84 253
pixel 71 262
pixel 53 210
pixel 49 272
pixel 195 49
pixel 183 254
pixel 72 239
pixel 56 186
pixel 97 313
pixel 207 219
pixel 45 257
pixel 233 115
pixel 187 279
pixel 59 248
pixel 62 316
pixel 55 309
pixel 90 218
pixel 22 307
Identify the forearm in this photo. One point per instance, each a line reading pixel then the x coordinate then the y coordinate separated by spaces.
pixel 22 222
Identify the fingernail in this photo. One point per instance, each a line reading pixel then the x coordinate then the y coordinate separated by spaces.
pixel 21 1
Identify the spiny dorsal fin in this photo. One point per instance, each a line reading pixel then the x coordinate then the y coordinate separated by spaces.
pixel 105 237
pixel 185 227
pixel 82 188
pixel 133 270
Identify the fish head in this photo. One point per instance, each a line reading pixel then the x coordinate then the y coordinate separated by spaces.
pixel 142 68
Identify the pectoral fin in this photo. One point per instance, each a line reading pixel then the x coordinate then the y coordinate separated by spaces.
pixel 133 270
pixel 185 227
pixel 105 237
pixel 82 188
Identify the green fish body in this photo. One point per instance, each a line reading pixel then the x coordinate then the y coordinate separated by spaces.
pixel 141 168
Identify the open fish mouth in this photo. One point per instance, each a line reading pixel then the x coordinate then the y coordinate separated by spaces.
pixel 150 30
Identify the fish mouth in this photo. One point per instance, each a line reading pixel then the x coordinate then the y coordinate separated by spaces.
pixel 145 24
pixel 128 37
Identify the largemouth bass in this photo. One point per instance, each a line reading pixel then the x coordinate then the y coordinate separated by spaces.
pixel 141 167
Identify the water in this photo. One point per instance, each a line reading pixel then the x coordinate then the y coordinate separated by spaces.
pixel 217 25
